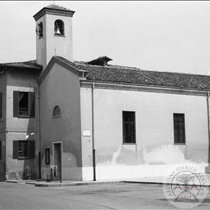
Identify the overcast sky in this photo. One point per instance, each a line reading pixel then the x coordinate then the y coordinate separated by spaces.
pixel 171 36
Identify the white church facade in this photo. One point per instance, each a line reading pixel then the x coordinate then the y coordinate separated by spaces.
pixel 93 120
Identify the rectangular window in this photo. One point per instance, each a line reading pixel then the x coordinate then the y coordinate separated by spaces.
pixel 179 129
pixel 23 149
pixel 47 156
pixel 129 131
pixel 24 104
pixel 1 105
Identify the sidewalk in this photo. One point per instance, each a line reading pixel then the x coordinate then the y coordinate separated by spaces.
pixel 146 180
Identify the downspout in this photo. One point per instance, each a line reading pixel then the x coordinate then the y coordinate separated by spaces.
pixel 39 131
pixel 93 143
pixel 208 167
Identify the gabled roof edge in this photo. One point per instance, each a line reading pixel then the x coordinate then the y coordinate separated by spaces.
pixel 54 60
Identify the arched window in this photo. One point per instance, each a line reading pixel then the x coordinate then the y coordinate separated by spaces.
pixel 59 27
pixel 39 30
pixel 56 111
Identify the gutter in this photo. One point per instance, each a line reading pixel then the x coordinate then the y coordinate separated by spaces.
pixel 93 140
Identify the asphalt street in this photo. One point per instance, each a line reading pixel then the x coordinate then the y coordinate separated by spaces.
pixel 97 196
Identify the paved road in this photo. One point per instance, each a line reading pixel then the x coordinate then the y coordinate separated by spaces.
pixel 97 196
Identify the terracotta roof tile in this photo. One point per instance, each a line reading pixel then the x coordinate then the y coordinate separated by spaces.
pixel 57 7
pixel 132 75
pixel 27 64
pixel 128 75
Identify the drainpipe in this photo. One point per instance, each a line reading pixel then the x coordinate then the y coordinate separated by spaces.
pixel 208 133
pixel 39 130
pixel 93 143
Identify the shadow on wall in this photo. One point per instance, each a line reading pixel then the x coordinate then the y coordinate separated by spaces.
pixel 165 154
pixel 20 169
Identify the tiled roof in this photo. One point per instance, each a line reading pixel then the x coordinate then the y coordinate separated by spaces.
pixel 136 76
pixel 57 7
pixel 128 75
pixel 27 64
pixel 72 64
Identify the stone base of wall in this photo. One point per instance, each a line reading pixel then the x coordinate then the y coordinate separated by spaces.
pixel 115 172
pixel 207 169
pixel 68 173
pixel 19 175
pixel 122 172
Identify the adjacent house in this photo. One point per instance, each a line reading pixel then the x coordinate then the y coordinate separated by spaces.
pixel 94 120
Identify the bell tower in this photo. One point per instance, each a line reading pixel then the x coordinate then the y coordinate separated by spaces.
pixel 53 33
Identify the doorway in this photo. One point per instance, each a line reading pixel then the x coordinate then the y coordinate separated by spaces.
pixel 58 159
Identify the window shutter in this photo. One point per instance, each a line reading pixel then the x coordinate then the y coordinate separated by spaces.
pixel 0 150
pixel 32 104
pixel 31 149
pixel 15 103
pixel 15 149
pixel 1 105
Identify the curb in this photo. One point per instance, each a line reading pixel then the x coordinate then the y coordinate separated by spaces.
pixel 160 183
pixel 51 184
pixel 73 184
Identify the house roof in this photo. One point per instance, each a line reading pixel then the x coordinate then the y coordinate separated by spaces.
pixel 127 75
pixel 136 76
pixel 27 64
pixel 54 10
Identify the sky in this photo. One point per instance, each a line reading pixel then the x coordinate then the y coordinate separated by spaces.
pixel 167 36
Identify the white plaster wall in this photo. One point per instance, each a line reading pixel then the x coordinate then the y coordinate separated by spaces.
pixel 50 44
pixel 18 129
pixel 154 130
pixel 61 88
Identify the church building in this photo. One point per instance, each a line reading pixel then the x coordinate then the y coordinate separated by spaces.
pixel 91 120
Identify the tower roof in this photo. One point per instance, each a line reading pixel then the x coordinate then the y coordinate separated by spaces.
pixel 57 7
pixel 54 10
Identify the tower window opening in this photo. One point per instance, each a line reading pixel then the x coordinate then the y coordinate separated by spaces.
pixel 59 27
pixel 39 30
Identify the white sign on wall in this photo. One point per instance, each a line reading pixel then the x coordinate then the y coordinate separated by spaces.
pixel 86 133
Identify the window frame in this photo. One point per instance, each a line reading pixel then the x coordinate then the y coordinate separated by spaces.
pixel 31 104
pixel 61 29
pixel 179 129
pixel 47 156
pixel 29 146
pixel 56 111
pixel 131 126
